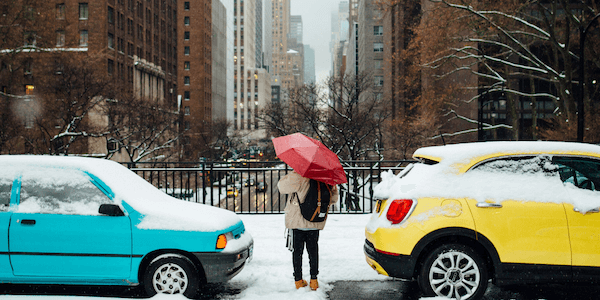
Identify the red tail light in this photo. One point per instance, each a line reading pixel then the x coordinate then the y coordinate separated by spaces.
pixel 398 210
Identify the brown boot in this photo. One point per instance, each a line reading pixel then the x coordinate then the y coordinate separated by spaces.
pixel 301 283
pixel 314 284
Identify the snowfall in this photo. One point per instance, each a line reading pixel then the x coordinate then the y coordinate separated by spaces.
pixel 269 274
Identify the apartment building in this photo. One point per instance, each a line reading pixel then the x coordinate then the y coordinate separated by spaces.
pixel 251 81
pixel 130 41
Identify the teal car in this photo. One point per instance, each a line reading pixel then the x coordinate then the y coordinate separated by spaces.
pixel 85 221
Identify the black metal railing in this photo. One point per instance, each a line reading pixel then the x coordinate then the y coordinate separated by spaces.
pixel 251 187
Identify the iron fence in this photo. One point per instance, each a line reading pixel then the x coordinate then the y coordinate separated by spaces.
pixel 251 187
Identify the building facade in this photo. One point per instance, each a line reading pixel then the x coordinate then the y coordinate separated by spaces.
pixel 130 42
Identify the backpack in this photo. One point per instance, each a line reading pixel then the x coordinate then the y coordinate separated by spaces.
pixel 316 203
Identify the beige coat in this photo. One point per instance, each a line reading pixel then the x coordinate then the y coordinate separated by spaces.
pixel 294 183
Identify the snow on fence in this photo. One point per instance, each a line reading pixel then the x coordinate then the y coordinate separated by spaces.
pixel 251 187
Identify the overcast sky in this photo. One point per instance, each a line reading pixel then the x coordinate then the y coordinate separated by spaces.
pixel 316 19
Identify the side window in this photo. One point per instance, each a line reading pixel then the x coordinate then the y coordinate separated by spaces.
pixel 5 188
pixel 530 165
pixel 59 191
pixel 581 172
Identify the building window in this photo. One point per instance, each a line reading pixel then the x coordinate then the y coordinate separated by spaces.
pixel 378 47
pixel 186 50
pixel 187 125
pixel 83 11
pixel 60 38
pixel 111 66
pixel 378 64
pixel 186 35
pixel 111 41
pixel 60 11
pixel 378 80
pixel 186 65
pixel 111 15
pixel 186 95
pixel 186 5
pixel 378 30
pixel 186 21
pixel 27 67
pixel 29 38
pixel 187 110
pixel 83 38
pixel 186 80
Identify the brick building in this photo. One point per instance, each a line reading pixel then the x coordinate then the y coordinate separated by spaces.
pixel 132 42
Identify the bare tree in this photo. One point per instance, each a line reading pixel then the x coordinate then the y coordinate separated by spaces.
pixel 524 52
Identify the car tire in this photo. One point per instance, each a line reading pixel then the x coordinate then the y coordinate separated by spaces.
pixel 453 271
pixel 172 274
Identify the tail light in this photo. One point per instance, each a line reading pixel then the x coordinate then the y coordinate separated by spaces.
pixel 398 210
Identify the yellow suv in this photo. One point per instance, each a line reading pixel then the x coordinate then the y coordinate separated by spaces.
pixel 509 212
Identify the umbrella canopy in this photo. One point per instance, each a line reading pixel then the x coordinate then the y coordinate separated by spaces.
pixel 310 158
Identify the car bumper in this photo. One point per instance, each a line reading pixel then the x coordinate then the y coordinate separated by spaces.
pixel 393 265
pixel 222 266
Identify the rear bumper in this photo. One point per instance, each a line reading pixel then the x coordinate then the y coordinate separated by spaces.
pixel 397 266
pixel 222 266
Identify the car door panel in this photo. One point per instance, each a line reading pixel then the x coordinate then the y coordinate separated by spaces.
pixel 542 238
pixel 70 245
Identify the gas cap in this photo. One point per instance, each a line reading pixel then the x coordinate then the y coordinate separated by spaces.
pixel 451 208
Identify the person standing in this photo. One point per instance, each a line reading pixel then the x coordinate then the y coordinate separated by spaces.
pixel 303 232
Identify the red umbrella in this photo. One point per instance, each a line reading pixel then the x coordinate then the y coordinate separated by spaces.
pixel 310 158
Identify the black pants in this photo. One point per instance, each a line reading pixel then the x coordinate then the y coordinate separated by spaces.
pixel 310 238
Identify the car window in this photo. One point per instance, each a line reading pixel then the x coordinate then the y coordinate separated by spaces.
pixel 541 164
pixel 581 172
pixel 59 191
pixel 5 188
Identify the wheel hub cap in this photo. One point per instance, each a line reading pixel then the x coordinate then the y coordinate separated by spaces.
pixel 454 275
pixel 170 279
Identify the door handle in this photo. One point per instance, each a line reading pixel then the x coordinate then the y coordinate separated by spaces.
pixel 27 222
pixel 595 210
pixel 488 205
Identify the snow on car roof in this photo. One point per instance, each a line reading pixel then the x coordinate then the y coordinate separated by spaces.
pixel 467 153
pixel 161 210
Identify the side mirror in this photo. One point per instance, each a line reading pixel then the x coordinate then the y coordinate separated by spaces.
pixel 112 210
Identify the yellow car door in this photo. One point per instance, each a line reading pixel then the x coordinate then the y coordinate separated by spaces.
pixel 522 231
pixel 581 177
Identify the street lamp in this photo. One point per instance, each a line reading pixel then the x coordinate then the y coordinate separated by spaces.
pixel 580 112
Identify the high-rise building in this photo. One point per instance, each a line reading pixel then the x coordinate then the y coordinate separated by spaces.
pixel 219 61
pixel 132 42
pixel 339 34
pixel 252 83
pixel 296 30
pixel 282 70
pixel 309 65
pixel 194 35
pixel 370 44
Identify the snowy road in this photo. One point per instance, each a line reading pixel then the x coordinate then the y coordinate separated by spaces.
pixel 344 274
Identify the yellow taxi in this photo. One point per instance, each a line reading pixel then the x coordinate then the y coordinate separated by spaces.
pixel 506 212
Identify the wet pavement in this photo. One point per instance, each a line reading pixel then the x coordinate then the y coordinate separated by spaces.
pixel 342 290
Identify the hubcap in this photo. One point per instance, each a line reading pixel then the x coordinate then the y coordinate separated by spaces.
pixel 170 279
pixel 454 275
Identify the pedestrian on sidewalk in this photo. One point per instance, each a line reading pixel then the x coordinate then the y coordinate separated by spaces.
pixel 302 232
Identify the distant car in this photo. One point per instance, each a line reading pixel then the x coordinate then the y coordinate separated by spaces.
pixel 261 186
pixel 249 182
pixel 84 221
pixel 232 191
pixel 509 212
